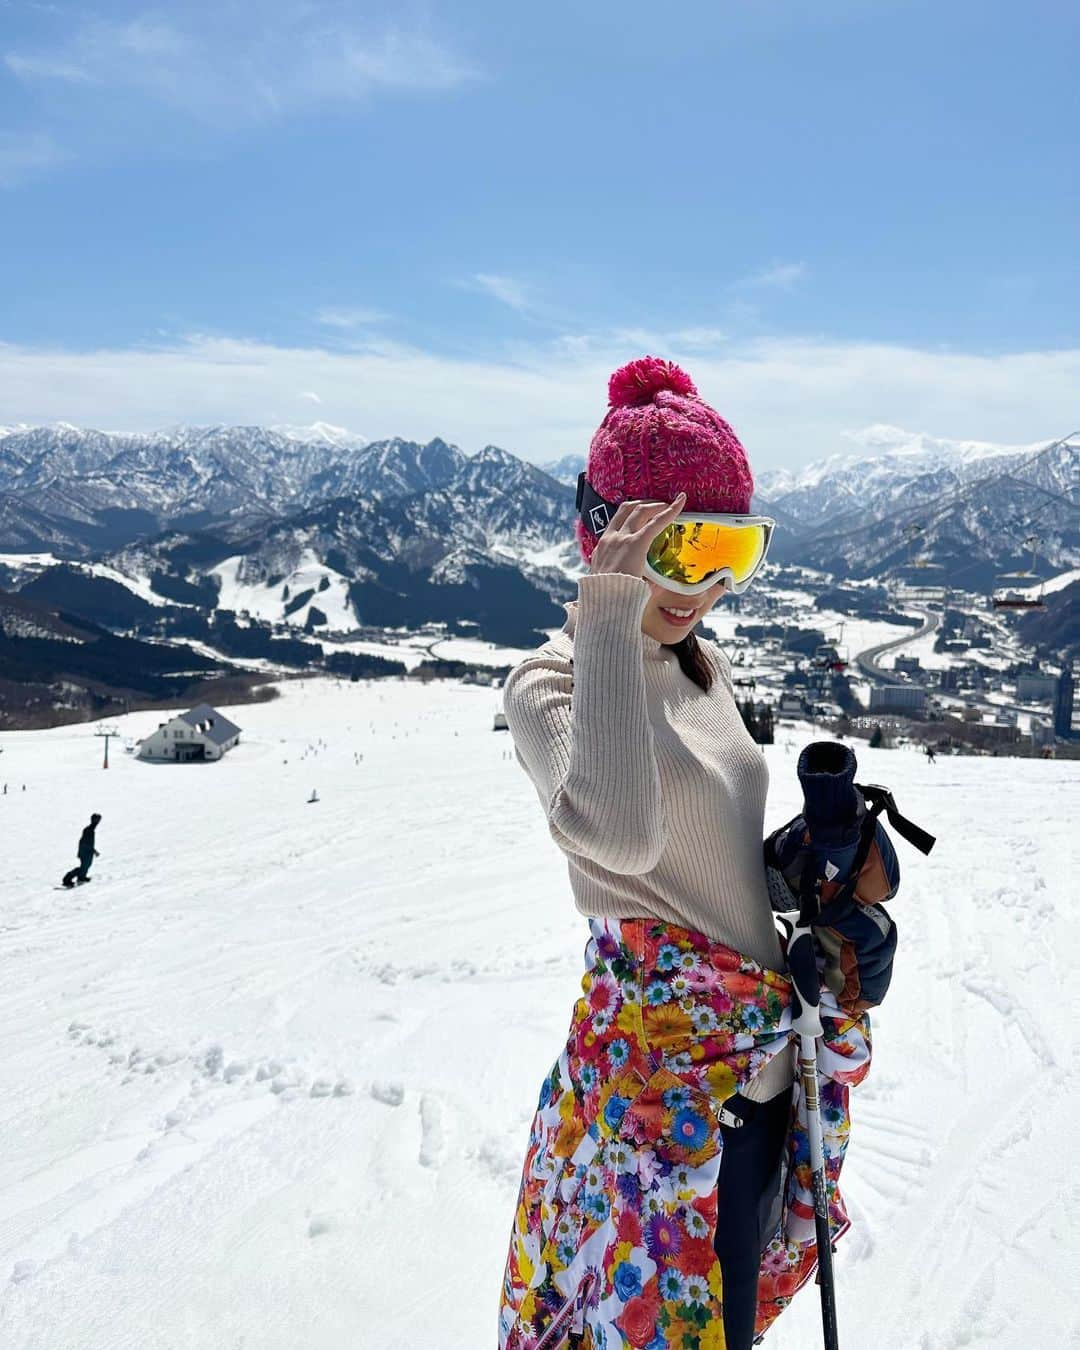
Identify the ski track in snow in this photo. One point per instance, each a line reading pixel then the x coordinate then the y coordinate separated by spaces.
pixel 269 1080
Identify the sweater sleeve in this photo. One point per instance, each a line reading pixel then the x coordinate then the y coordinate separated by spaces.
pixel 592 758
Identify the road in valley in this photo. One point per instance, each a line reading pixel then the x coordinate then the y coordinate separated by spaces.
pixel 867 661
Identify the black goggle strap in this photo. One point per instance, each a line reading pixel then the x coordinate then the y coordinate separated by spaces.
pixel 594 511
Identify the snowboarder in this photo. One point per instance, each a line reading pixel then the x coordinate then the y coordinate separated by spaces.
pixel 677 1078
pixel 930 754
pixel 87 854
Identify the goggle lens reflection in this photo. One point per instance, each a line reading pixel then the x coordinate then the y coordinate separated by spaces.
pixel 688 550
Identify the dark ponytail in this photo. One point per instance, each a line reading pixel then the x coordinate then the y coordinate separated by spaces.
pixel 695 664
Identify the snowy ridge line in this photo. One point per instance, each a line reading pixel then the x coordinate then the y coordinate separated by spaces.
pixel 916 452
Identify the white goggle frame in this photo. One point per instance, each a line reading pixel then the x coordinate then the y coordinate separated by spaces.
pixel 725 573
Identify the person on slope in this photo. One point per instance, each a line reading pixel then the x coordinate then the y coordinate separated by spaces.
pixel 87 853
pixel 652 1180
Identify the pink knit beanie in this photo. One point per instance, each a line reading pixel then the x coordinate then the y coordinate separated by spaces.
pixel 659 438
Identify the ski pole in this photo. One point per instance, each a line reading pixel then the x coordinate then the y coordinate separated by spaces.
pixel 806 1021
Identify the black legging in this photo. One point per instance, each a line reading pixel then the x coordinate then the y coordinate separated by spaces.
pixel 80 873
pixel 749 1171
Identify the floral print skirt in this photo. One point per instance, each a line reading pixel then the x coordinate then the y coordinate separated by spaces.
pixel 612 1237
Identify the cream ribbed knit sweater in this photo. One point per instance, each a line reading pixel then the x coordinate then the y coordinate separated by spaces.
pixel 653 788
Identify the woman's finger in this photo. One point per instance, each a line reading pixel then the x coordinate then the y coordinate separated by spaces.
pixel 666 508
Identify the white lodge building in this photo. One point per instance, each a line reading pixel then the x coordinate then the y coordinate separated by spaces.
pixel 201 733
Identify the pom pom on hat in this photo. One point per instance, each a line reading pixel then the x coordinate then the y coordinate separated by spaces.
pixel 639 382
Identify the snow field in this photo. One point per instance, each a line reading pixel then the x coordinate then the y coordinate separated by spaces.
pixel 269 1079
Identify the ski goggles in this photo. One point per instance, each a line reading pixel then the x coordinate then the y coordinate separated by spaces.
pixel 696 549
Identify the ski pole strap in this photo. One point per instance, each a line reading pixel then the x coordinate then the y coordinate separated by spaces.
pixel 881 799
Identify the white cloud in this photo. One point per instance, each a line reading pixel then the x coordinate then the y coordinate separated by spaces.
pixel 337 317
pixel 780 276
pixel 23 153
pixel 393 60
pixel 698 337
pixel 789 400
pixel 504 289
pixel 215 65
pixel 311 396
pixel 29 68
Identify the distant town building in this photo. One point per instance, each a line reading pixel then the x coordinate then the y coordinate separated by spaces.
pixel 906 665
pixel 1035 688
pixel 947 678
pixel 201 733
pixel 979 733
pixel 897 698
pixel 1063 704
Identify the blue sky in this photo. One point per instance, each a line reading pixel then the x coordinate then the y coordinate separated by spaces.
pixel 457 219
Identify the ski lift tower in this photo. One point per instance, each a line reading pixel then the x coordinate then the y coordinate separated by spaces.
pixel 106 732
pixel 831 656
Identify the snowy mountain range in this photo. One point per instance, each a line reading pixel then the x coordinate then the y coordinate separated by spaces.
pixel 893 470
pixel 107 488
pixel 409 533
pixel 970 511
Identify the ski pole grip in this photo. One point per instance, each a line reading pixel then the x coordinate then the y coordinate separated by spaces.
pixel 805 986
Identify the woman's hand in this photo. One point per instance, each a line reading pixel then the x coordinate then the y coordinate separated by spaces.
pixel 624 545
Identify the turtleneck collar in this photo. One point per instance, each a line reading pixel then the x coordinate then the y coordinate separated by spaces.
pixel 651 648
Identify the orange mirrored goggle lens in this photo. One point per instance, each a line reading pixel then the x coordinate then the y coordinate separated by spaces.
pixel 688 550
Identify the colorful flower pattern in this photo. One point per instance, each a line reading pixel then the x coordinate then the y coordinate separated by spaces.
pixel 617 1207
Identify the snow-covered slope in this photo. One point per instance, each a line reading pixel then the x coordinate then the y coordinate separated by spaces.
pixel 268 1079
pixel 270 602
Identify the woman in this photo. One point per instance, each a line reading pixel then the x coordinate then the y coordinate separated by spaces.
pixel 667 1149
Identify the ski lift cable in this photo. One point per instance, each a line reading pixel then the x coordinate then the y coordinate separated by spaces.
pixel 1056 497
pixel 1053 498
pixel 945 505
